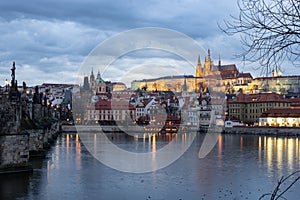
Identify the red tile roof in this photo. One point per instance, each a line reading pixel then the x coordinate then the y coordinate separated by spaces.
pixel 103 105
pixel 282 112
pixel 228 74
pixel 58 85
pixel 228 71
pixel 230 67
pixel 263 97
pixel 112 105
pixel 245 75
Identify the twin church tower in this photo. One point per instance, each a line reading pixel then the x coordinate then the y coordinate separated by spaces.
pixel 208 67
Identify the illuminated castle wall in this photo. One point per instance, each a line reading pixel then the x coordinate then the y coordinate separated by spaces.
pixel 195 83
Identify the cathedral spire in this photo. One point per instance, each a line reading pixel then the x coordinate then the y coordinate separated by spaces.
pixel 219 62
pixel 199 71
pixel 208 54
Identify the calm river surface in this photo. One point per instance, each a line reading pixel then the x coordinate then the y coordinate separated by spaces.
pixel 238 167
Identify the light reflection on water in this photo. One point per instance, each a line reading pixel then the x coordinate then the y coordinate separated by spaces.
pixel 239 167
pixel 280 153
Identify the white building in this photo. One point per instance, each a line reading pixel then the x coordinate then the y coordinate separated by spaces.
pixel 289 117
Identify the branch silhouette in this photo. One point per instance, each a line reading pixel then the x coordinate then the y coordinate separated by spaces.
pixel 269 31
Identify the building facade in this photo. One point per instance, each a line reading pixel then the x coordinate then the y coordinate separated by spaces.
pixel 249 107
pixel 288 85
pixel 281 117
pixel 195 83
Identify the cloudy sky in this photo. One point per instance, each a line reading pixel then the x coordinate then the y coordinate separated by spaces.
pixel 50 39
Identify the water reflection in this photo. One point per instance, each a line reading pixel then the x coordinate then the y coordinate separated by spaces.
pixel 239 167
pixel 78 152
pixel 136 152
pixel 276 152
pixel 241 143
pixel 154 151
pixel 220 146
pixel 259 149
pixel 279 152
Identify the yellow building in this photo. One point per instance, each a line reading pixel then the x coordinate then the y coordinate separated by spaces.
pixel 198 83
pixel 118 86
pixel 167 83
pixel 249 107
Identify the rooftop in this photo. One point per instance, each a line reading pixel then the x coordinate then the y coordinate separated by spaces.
pixel 282 112
pixel 262 97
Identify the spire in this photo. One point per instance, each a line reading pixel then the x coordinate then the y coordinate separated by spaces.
pixel 219 62
pixel 184 85
pixel 92 76
pixel 98 75
pixel 199 71
pixel 274 72
pixel 208 54
pixel 279 72
pixel 98 78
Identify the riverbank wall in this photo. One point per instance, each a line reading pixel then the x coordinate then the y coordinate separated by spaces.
pixel 251 130
pixel 258 130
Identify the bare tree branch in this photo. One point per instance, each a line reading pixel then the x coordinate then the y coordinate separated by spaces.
pixel 269 30
pixel 278 192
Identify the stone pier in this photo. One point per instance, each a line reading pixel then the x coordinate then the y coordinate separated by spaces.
pixel 36 143
pixel 14 153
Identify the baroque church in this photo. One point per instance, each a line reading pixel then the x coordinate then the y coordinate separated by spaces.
pixel 99 87
pixel 96 86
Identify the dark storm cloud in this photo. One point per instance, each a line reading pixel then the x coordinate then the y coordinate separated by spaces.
pixel 95 13
pixel 55 36
pixel 196 17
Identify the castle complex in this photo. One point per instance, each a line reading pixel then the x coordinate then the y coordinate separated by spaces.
pixel 197 83
pixel 232 80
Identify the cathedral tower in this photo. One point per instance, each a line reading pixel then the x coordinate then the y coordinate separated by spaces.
pixel 199 70
pixel 208 64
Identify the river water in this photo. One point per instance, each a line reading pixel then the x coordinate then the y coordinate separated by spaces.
pixel 238 167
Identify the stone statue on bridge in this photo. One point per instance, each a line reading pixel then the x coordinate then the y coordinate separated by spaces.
pixel 13 75
pixel 13 92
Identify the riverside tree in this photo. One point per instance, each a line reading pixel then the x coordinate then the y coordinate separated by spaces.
pixel 269 31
